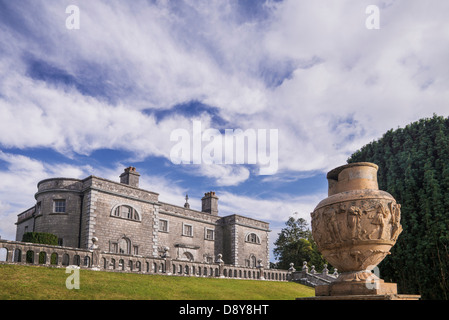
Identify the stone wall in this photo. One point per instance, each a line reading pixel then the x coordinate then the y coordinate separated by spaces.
pixel 25 222
pixel 96 259
pixel 238 243
pixel 65 225
pixel 185 245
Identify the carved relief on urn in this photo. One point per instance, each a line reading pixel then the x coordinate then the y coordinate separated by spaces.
pixel 357 224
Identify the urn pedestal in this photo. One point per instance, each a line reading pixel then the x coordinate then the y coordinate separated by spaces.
pixel 354 228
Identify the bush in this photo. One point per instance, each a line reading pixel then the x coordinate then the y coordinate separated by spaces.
pixel 40 237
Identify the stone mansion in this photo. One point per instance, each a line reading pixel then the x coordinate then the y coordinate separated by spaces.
pixel 129 220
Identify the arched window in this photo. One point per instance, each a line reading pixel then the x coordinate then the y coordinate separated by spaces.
pixel 126 212
pixel 253 262
pixel 121 264
pixel 17 255
pixel 76 260
pixel 65 259
pixel 252 238
pixel 124 246
pixel 30 256
pixel 54 258
pixel 87 261
pixel 42 257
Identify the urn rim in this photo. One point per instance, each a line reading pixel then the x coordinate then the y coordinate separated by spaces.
pixel 333 174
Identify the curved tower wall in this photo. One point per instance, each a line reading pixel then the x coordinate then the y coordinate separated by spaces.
pixel 58 209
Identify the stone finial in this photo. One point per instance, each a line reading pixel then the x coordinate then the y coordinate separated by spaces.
pixel 94 243
pixel 219 260
pixel 260 265
pixel 187 205
pixel 325 270
pixel 335 274
pixel 305 267
pixel 166 253
pixel 312 270
pixel 291 269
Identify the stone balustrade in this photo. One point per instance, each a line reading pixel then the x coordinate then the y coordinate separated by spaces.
pixel 312 278
pixel 15 252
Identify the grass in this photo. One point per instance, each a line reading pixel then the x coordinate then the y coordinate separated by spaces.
pixel 41 283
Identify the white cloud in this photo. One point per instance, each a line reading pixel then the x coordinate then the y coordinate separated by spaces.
pixel 310 69
pixel 225 175
pixel 278 207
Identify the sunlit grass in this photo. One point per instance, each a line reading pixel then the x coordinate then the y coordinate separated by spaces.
pixel 31 282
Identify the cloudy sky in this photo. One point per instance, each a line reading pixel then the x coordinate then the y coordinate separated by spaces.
pixel 93 100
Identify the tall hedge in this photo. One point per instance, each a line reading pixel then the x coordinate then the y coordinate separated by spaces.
pixel 40 237
pixel 414 167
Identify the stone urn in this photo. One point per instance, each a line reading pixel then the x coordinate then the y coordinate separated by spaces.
pixel 355 226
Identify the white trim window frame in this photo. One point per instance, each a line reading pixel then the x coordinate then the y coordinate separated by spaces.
pixel 187 230
pixel 164 225
pixel 209 234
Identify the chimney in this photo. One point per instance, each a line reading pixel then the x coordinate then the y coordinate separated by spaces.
pixel 210 203
pixel 130 177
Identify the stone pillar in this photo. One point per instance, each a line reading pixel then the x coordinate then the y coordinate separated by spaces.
pixel 10 254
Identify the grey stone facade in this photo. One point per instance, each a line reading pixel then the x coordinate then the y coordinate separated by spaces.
pixel 132 221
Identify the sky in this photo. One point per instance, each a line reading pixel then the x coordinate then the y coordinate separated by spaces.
pixel 94 90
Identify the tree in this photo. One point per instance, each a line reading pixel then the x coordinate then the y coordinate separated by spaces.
pixel 414 167
pixel 295 245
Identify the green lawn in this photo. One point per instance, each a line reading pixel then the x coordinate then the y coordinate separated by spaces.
pixel 31 282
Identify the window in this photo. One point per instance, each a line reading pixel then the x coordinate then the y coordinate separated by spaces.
pixel 124 246
pixel 187 230
pixel 59 206
pixel 253 261
pixel 126 212
pixel 38 208
pixel 209 234
pixel 163 225
pixel 252 238
pixel 114 247
pixel 135 250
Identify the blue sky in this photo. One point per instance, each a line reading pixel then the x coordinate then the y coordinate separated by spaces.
pixel 94 100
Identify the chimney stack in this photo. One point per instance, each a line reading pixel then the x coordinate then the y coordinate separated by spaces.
pixel 130 177
pixel 210 203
